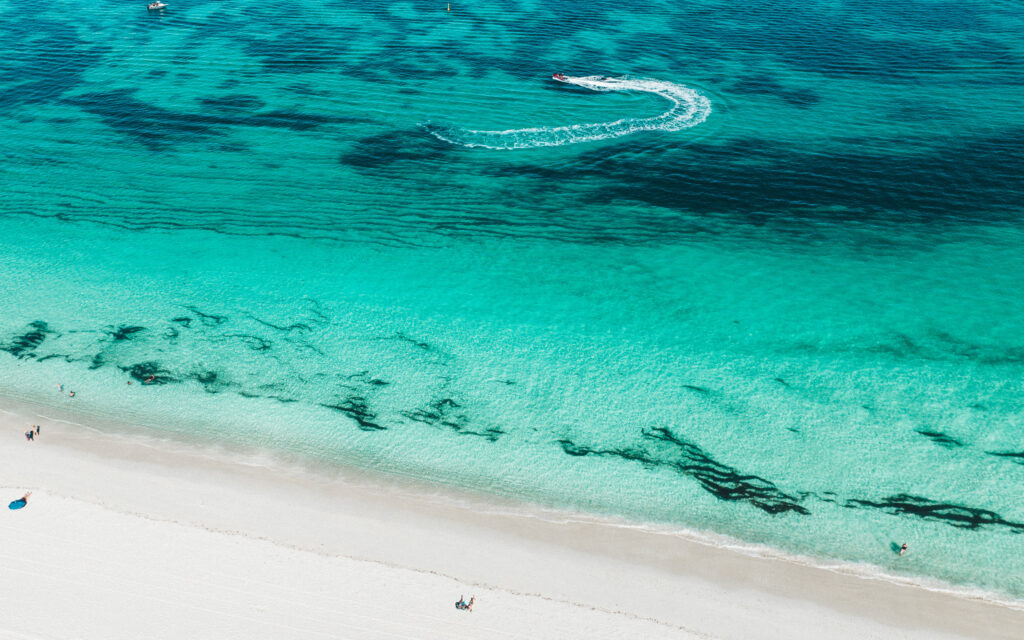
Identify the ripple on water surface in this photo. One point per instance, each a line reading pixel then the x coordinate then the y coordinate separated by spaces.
pixel 784 307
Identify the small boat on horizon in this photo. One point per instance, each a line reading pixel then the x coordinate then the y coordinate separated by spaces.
pixel 156 5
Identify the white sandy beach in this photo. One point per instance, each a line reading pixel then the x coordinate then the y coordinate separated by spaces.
pixel 132 538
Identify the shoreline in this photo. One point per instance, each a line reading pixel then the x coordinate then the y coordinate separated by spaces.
pixel 320 470
pixel 634 573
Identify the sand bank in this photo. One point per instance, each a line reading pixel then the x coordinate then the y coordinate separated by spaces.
pixel 134 537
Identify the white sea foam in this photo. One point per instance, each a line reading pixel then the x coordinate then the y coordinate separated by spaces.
pixel 689 108
pixel 862 570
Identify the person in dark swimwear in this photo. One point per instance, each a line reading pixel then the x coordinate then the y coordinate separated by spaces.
pixel 37 429
pixel 903 548
pixel 463 605
pixel 30 435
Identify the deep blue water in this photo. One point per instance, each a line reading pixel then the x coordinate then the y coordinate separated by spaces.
pixel 753 268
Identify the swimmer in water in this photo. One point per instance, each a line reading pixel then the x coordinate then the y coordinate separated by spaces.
pixel 903 548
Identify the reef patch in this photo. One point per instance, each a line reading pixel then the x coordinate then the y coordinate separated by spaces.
pixel 689 459
pixel 954 515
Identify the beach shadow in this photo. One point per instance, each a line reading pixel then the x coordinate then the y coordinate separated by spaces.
pixel 895 546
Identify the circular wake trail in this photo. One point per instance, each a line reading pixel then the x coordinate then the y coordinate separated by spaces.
pixel 689 108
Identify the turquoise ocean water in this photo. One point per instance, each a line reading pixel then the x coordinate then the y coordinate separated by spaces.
pixel 755 268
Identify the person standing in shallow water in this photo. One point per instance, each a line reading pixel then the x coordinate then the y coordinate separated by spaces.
pixel 903 548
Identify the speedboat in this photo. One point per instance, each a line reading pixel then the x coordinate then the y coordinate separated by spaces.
pixel 156 5
pixel 559 76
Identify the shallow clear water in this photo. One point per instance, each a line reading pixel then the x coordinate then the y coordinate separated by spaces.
pixel 768 284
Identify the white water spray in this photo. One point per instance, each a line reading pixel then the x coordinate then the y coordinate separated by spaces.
pixel 689 108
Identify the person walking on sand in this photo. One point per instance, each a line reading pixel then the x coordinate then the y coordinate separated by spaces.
pixel 30 435
pixel 903 548
pixel 37 429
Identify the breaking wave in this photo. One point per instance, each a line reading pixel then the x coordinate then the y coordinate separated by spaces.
pixel 689 108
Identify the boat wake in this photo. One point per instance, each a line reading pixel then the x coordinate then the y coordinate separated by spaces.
pixel 689 108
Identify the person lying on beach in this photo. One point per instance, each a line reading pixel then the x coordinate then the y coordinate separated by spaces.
pixel 20 502
pixel 463 605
